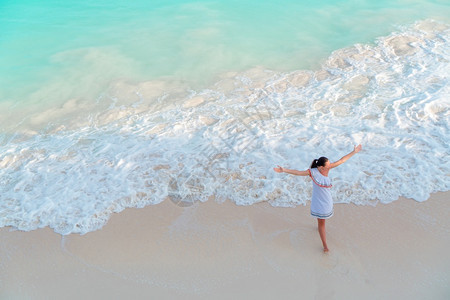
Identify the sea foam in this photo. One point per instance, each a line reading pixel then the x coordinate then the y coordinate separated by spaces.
pixel 142 143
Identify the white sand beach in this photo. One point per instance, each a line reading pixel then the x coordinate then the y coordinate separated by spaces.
pixel 224 251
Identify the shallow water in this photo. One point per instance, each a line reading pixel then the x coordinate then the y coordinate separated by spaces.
pixel 101 124
pixel 52 51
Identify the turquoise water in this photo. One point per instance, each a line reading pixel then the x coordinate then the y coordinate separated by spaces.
pixel 51 51
pixel 106 105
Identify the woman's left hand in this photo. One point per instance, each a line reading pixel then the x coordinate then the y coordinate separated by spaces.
pixel 278 170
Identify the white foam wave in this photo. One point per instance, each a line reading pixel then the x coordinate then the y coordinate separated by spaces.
pixel 160 141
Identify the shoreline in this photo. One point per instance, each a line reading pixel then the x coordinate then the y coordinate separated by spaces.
pixel 223 250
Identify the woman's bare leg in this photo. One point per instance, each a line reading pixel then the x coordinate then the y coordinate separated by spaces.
pixel 322 233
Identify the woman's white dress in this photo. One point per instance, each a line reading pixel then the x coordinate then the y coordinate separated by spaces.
pixel 321 202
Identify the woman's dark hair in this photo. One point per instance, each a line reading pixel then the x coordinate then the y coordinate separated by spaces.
pixel 319 162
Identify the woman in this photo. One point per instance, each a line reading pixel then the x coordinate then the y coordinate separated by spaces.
pixel 321 202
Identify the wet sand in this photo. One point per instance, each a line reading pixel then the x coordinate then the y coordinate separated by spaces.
pixel 219 251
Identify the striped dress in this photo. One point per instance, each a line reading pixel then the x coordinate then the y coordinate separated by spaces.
pixel 321 202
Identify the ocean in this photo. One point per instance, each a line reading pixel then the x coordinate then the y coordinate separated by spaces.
pixel 106 105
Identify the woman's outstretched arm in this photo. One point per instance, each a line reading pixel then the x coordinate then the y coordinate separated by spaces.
pixel 346 157
pixel 292 172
